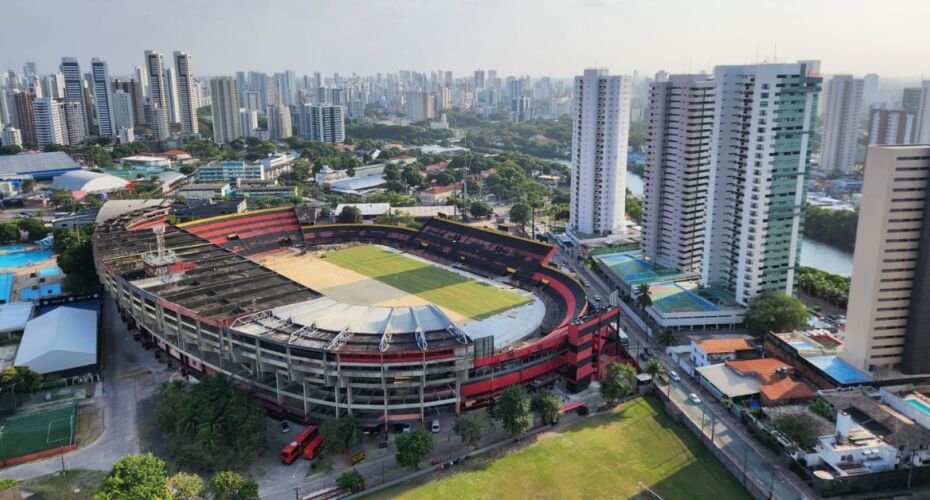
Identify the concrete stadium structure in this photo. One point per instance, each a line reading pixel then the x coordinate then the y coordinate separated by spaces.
pixel 192 291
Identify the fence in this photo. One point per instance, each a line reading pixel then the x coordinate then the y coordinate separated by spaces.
pixel 38 429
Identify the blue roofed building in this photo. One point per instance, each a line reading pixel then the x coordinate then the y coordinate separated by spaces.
pixel 41 166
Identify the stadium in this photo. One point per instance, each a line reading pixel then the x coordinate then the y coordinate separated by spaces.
pixel 385 323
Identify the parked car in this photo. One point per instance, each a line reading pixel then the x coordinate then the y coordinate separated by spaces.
pixel 405 429
pixel 674 376
pixel 694 398
pixel 435 426
pixel 284 426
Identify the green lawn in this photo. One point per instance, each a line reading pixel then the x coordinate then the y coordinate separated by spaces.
pixel 600 457
pixel 471 298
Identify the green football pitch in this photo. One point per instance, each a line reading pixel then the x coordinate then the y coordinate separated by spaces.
pixel 606 456
pixel 471 298
pixel 38 431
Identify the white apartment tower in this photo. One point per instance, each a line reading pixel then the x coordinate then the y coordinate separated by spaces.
pixel 842 111
pixel 224 96
pixel 74 88
pixel 158 87
pixel 248 122
pixel 322 123
pixel 600 129
pixel 103 100
pixel 123 112
pixel 922 132
pixel 279 122
pixel 187 93
pixel 889 297
pixel 49 125
pixel 764 119
pixel 680 120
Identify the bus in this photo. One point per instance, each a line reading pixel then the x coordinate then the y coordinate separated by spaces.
pixel 308 443
pixel 624 338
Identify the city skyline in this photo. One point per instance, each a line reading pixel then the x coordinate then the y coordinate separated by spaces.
pixel 614 34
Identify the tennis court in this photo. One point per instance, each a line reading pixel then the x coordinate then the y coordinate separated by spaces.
pixel 672 297
pixel 633 269
pixel 39 430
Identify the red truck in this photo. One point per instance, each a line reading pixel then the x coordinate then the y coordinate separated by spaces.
pixel 308 443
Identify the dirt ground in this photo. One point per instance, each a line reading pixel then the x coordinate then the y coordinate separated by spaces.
pixel 89 424
pixel 344 285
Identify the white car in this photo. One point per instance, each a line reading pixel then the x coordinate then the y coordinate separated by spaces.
pixel 405 429
pixel 435 426
pixel 674 376
pixel 694 398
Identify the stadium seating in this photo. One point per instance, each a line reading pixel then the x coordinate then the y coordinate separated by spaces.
pixel 563 291
pixel 496 253
pixel 250 233
pixel 392 236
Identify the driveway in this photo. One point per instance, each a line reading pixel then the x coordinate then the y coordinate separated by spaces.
pixel 129 374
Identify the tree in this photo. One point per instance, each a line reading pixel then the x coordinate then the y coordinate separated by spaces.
pixel 654 367
pixel 471 426
pixel 211 425
pixel 351 480
pixel 520 213
pixel 480 209
pixel 618 382
pixel 136 476
pixel 800 428
pixel 412 447
pixel 27 185
pixel 62 198
pixel 513 410
pixel 775 311
pixel 547 405
pixel 349 215
pixel 76 258
pixel 228 485
pixel 341 434
pixel 412 176
pixel 9 231
pixel 666 337
pixel 20 380
pixel 35 227
pixel 184 486
pixel 643 296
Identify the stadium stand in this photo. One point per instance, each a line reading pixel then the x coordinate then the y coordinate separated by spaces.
pixel 250 233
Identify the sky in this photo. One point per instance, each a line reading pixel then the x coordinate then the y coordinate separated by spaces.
pixel 557 38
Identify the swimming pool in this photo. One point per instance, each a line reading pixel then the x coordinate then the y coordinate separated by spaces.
pixel 49 290
pixel 45 272
pixel 6 286
pixel 920 405
pixel 21 255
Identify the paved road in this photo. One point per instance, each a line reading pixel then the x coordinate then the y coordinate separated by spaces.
pixel 122 356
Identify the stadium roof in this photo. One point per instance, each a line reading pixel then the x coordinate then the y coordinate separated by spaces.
pixel 89 182
pixel 37 163
pixel 59 340
pixel 114 208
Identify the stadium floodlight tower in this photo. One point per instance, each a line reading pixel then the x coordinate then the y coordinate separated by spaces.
pixel 162 262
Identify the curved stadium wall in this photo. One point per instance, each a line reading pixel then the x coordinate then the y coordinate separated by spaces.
pixel 216 311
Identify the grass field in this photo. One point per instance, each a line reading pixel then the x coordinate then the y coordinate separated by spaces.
pixel 31 433
pixel 471 298
pixel 605 456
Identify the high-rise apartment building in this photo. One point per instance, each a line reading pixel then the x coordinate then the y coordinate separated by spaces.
pixel 49 124
pixel 187 109
pixel 890 126
pixel 123 113
pixel 158 88
pixel 10 136
pixel 22 116
pixel 103 102
pixel 521 109
pixel 322 123
pixel 134 89
pixel 224 96
pixel 889 298
pixel 420 106
pixel 279 122
pixel 922 130
pixel 910 99
pixel 600 129
pixel 842 111
pixel 764 118
pixel 680 121
pixel 72 115
pixel 479 79
pixel 248 122
pixel 74 92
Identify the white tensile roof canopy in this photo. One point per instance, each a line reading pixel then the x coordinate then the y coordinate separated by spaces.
pixel 61 339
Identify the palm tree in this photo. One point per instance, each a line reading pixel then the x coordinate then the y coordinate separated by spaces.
pixel 666 337
pixel 643 296
pixel 654 367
